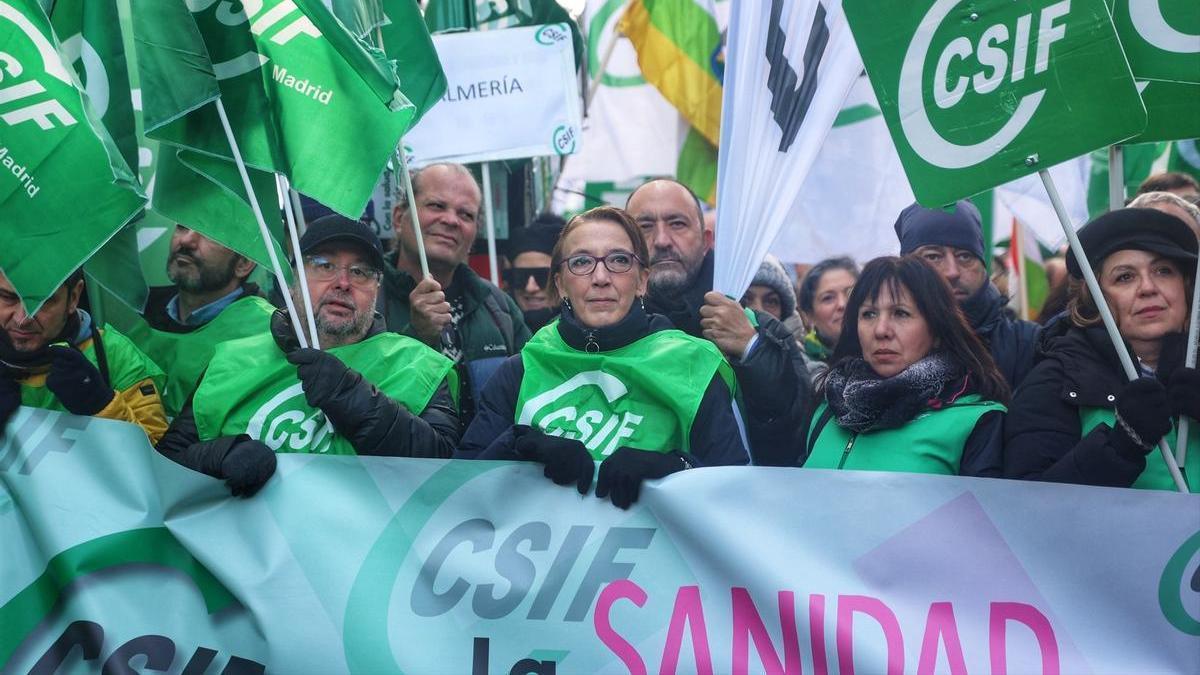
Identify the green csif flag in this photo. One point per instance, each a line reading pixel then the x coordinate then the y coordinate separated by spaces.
pixel 64 188
pixel 90 35
pixel 1161 39
pixel 304 97
pixel 979 94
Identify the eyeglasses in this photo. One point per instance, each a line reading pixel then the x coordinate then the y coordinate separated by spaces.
pixel 616 262
pixel 518 277
pixel 321 268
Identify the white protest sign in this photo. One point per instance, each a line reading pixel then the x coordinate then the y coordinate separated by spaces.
pixel 509 94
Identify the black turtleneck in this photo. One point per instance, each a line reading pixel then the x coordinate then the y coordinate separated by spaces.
pixel 636 325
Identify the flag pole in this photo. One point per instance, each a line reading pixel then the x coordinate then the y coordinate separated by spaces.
pixel 297 209
pixel 1189 361
pixel 1106 316
pixel 489 219
pixel 412 212
pixel 1116 178
pixel 285 190
pixel 262 224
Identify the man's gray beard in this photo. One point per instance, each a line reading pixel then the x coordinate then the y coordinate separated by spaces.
pixel 203 278
pixel 669 283
pixel 334 335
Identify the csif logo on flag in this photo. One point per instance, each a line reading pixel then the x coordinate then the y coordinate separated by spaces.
pixel 236 53
pixel 1150 20
pixel 33 76
pixel 967 60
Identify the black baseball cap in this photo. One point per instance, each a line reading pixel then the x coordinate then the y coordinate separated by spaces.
pixel 335 227
pixel 1138 229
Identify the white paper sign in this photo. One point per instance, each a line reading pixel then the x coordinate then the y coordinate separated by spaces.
pixel 510 94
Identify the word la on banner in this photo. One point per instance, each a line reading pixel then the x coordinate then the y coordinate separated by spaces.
pixel 480 567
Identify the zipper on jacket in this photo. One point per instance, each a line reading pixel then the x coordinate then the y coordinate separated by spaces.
pixel 592 346
pixel 846 452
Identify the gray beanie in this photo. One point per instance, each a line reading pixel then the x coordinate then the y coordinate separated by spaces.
pixel 772 275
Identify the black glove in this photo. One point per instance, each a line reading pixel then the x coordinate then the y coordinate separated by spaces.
pixel 76 382
pixel 324 376
pixel 10 400
pixel 566 460
pixel 624 470
pixel 1184 393
pixel 247 467
pixel 1143 418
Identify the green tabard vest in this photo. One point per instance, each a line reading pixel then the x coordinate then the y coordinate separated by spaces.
pixel 932 442
pixel 1155 476
pixel 251 388
pixel 184 356
pixel 127 366
pixel 643 395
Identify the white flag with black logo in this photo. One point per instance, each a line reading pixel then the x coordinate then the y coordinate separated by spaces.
pixel 789 67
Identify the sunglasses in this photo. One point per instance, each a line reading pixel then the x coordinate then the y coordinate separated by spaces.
pixel 518 277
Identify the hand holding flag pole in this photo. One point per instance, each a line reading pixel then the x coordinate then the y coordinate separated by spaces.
pixel 412 212
pixel 1110 324
pixel 285 190
pixel 262 225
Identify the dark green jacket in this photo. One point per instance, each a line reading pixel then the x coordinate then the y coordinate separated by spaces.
pixel 492 327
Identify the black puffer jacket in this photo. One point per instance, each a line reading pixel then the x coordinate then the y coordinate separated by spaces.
pixel 1077 368
pixel 1012 342
pixel 773 381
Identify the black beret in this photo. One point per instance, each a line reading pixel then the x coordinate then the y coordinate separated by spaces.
pixel 1137 229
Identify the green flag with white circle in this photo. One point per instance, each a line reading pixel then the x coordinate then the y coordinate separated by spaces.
pixel 1161 38
pixel 982 93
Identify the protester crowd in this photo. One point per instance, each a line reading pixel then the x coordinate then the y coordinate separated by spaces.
pixel 608 344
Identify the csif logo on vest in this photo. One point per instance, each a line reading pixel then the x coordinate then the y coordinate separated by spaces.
pixel 590 426
pixel 1003 64
pixel 33 76
pixel 286 424
pixel 1150 20
pixel 236 53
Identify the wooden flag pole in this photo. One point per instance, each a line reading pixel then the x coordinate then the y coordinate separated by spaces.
pixel 301 274
pixel 1110 324
pixel 262 225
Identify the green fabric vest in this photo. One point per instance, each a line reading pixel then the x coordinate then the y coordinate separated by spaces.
pixel 932 442
pixel 127 366
pixel 184 356
pixel 251 388
pixel 643 395
pixel 1155 476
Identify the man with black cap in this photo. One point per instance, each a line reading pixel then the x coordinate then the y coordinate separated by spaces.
pixel 209 302
pixel 58 358
pixel 529 251
pixel 952 241
pixel 364 391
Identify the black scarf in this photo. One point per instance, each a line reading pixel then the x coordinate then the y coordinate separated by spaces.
pixel 862 401
pixel 20 364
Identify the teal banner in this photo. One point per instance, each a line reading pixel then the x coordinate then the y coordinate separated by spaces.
pixel 116 560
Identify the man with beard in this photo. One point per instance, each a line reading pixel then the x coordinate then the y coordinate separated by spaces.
pixel 469 320
pixel 952 242
pixel 210 303
pixel 772 377
pixel 365 391
pixel 58 359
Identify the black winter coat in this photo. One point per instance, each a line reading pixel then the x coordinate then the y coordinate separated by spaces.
pixel 773 380
pixel 1012 342
pixel 1077 367
pixel 714 440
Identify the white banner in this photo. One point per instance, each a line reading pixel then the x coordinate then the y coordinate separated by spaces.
pixel 116 559
pixel 789 66
pixel 510 94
